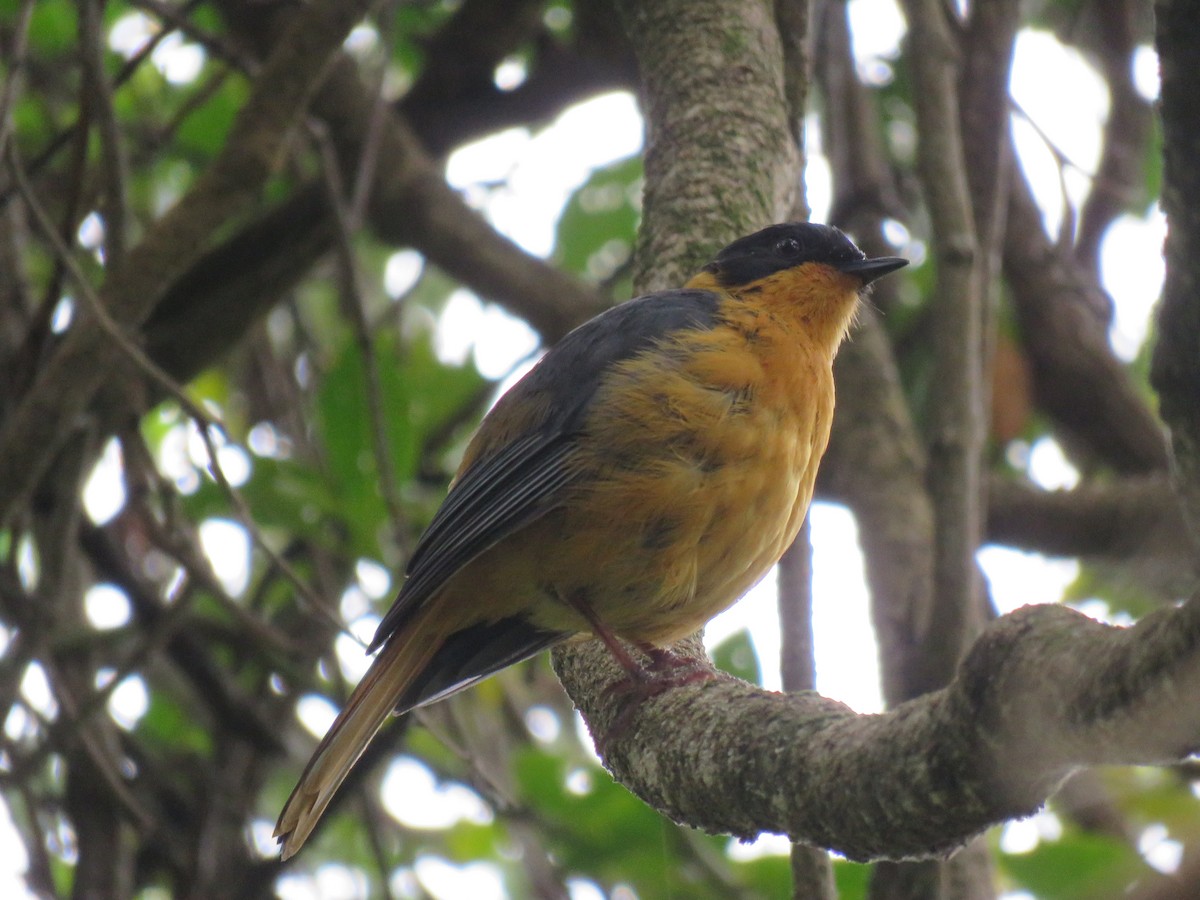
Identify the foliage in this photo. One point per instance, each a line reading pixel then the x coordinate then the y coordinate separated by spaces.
pixel 151 739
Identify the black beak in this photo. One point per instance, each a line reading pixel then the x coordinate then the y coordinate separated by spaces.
pixel 870 269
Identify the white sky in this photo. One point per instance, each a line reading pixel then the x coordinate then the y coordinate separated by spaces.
pixel 537 172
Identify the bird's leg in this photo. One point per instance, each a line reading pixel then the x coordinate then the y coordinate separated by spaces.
pixel 666 669
pixel 637 672
pixel 662 659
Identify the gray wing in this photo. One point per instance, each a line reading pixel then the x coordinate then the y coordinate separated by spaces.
pixel 515 485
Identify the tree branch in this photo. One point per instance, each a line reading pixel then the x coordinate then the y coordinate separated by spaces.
pixel 876 462
pixel 958 402
pixel 230 288
pixel 1133 517
pixel 98 103
pixel 987 53
pixel 460 61
pixel 1176 367
pixel 865 188
pixel 87 358
pixel 721 159
pixel 1062 315
pixel 1043 692
pixel 876 466
pixel 1120 180
pixel 794 576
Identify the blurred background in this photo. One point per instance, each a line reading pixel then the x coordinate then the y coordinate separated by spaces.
pixel 166 668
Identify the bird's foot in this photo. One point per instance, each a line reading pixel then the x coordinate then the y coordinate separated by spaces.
pixel 648 682
pixel 664 661
pixel 665 670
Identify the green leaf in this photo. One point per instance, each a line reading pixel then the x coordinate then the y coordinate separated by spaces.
pixel 767 876
pixel 1114 586
pixel 1076 867
pixel 851 878
pixel 1148 794
pixel 467 842
pixel 53 27
pixel 418 394
pixel 736 655
pixel 597 228
pixel 63 875
pixel 167 725
pixel 33 123
pixel 1153 165
pixel 607 833
pixel 203 132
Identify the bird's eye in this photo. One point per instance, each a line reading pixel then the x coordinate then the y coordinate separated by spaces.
pixel 788 247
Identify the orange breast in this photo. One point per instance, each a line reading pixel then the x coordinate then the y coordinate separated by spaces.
pixel 695 475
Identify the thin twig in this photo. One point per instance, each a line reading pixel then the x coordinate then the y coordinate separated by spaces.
pixel 60 140
pixel 176 18
pixel 39 873
pixel 198 98
pixel 354 309
pixel 97 96
pixel 16 65
pixel 1066 228
pixel 205 423
pixel 108 769
pixel 229 185
pixel 797 664
pixel 1119 184
pixel 173 537
pixel 957 399
pixel 91 300
pixel 371 818
pixel 37 333
pixel 368 161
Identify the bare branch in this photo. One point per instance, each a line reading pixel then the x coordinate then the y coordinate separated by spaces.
pixel 795 36
pixel 410 204
pixel 876 461
pixel 1176 367
pixel 987 51
pixel 213 687
pixel 703 129
pixel 18 46
pixel 876 466
pixel 795 614
pixel 98 103
pixel 354 310
pixel 1062 315
pixel 1134 517
pixel 594 58
pixel 87 357
pixel 1120 180
pixel 1043 692
pixel 865 189
pixel 958 401
pixel 178 19
pixel 461 58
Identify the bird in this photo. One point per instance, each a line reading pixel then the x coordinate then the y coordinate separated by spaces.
pixel 639 479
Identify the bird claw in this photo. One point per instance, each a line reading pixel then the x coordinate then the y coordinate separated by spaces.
pixel 664 661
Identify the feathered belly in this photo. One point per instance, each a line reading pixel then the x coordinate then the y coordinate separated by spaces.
pixel 685 533
pixel 756 507
pixel 700 483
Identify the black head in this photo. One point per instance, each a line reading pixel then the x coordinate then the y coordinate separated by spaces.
pixel 781 247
